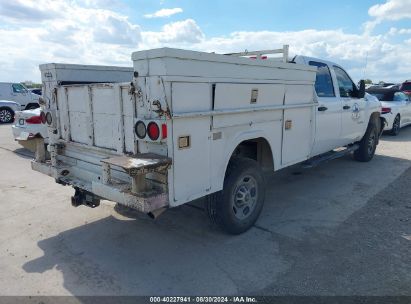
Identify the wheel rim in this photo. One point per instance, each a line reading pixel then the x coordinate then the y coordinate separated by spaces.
pixel 5 116
pixel 396 125
pixel 245 197
pixel 371 144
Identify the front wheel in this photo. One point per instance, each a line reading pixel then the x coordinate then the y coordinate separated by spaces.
pixel 368 144
pixel 6 115
pixel 237 207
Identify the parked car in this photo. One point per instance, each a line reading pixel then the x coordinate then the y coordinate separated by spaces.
pixel 7 110
pixel 27 126
pixel 19 93
pixel 387 84
pixel 36 91
pixel 396 108
pixel 406 87
pixel 394 86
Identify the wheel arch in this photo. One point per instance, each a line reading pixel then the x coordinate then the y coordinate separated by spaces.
pixel 28 106
pixel 378 121
pixel 255 146
pixel 375 117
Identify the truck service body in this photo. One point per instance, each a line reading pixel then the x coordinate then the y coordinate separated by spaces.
pixel 191 124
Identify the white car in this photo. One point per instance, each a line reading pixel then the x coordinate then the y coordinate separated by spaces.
pixel 7 110
pixel 27 126
pixel 396 108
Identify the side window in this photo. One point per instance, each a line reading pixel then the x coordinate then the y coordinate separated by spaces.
pixel 323 82
pixel 345 84
pixel 18 88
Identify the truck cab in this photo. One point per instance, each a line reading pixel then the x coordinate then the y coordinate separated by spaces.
pixel 342 115
pixel 17 92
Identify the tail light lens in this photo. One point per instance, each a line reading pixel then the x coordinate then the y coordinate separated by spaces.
pixel 153 131
pixel 163 131
pixel 385 110
pixel 43 117
pixel 140 129
pixel 35 120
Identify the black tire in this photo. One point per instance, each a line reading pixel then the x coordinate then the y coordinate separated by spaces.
pixel 244 180
pixel 396 125
pixel 368 144
pixel 6 115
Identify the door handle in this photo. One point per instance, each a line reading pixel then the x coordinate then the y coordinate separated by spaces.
pixel 322 109
pixel 346 107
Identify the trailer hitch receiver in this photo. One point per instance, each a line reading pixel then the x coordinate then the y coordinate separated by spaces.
pixel 85 198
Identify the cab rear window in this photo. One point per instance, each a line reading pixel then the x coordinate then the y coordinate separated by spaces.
pixel 323 82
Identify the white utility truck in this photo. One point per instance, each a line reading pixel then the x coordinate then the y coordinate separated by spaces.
pixel 191 124
pixel 17 92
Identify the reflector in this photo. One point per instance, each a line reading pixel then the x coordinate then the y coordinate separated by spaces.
pixel 43 117
pixel 140 129
pixel 49 118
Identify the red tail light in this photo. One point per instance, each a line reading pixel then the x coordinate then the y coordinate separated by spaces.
pixel 153 131
pixel 385 110
pixel 35 120
pixel 163 131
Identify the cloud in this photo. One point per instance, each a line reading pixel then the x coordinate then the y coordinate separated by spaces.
pixel 115 29
pixel 165 12
pixel 26 10
pixel 81 31
pixel 176 34
pixel 391 10
pixel 395 31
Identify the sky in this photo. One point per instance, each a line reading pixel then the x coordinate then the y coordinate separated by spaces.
pixel 371 39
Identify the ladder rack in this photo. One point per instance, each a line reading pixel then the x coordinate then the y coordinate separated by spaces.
pixel 260 54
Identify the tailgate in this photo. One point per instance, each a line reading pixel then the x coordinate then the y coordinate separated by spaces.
pixel 99 115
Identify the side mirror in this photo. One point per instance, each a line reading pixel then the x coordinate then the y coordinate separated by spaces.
pixel 361 91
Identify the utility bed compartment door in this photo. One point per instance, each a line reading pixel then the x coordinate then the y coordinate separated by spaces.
pixel 298 132
pixel 191 163
pixel 99 115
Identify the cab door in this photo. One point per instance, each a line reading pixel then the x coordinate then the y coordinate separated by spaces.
pixel 354 121
pixel 329 110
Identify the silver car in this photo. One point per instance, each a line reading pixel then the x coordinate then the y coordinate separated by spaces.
pixel 7 110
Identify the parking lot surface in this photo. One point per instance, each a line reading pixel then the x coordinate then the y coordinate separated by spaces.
pixel 342 228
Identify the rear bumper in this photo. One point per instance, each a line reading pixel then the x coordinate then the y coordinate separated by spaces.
pixel 146 200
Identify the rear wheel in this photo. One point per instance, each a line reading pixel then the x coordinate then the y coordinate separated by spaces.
pixel 368 144
pixel 396 125
pixel 6 115
pixel 236 208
